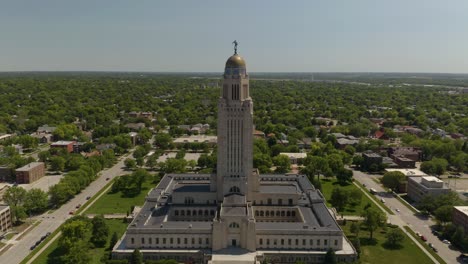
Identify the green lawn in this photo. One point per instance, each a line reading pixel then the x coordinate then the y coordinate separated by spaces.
pixel 49 255
pixel 327 188
pixel 115 203
pixel 375 252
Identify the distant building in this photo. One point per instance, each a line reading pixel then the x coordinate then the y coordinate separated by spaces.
pixel 460 217
pixel 210 140
pixel 43 137
pixel 259 134
pixel 304 143
pixel 147 115
pixel 67 145
pixel 135 126
pixel 102 147
pixel 5 173
pixel 295 157
pixel 5 218
pixel 418 187
pixel 46 129
pixel 30 172
pixel 371 158
pixel 5 136
pixel 403 162
pixel 412 153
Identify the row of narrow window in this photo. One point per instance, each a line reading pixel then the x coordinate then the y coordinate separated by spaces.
pixel 272 213
pixel 171 240
pixel 289 242
pixel 270 202
pixel 194 212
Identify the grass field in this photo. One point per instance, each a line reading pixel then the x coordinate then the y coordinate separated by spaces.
pixel 327 188
pixel 115 203
pixel 374 251
pixel 49 256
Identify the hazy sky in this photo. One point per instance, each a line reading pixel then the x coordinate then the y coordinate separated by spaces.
pixel 279 36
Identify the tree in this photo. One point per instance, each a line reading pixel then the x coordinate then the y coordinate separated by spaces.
pixel 355 197
pixel 373 218
pixel 394 237
pixel 113 240
pixel 330 257
pixel 393 179
pixel 130 163
pixel 443 214
pixel 434 166
pixel 355 228
pixel 43 156
pixel 100 231
pixel 339 198
pixel 74 240
pixel 315 165
pixel 162 140
pixel 36 201
pixel 15 197
pixel 57 163
pixel 136 257
pixel 173 165
pixel 344 176
pixel 282 163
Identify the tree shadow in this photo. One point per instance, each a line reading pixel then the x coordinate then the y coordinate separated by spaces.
pixel 365 241
pixel 392 247
pixel 54 256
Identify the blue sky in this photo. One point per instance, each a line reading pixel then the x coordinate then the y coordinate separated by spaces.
pixel 273 36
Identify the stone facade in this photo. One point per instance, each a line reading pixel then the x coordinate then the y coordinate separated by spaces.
pixel 235 214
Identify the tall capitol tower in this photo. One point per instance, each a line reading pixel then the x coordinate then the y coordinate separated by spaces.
pixel 234 215
pixel 235 132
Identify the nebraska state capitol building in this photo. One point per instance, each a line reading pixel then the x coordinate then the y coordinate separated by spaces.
pixel 235 215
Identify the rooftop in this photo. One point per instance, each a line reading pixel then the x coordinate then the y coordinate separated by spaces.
pixel 462 209
pixel 29 166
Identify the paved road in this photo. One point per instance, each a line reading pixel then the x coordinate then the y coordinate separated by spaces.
pixel 407 217
pixel 50 222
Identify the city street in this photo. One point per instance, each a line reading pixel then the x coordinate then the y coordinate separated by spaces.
pixel 50 222
pixel 406 217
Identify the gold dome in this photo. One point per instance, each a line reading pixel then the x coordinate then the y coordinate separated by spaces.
pixel 235 61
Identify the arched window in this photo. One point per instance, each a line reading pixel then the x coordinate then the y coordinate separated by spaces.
pixel 277 213
pixel 233 225
pixel 261 213
pixel 282 213
pixel 267 213
pixel 176 212
pixel 234 189
pixel 288 213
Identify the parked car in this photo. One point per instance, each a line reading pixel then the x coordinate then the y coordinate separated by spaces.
pixel 382 200
pixel 78 206
pixel 445 241
pixel 32 247
pixel 398 210
pixel 423 238
pixel 71 212
pixel 89 197
pixel 107 179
